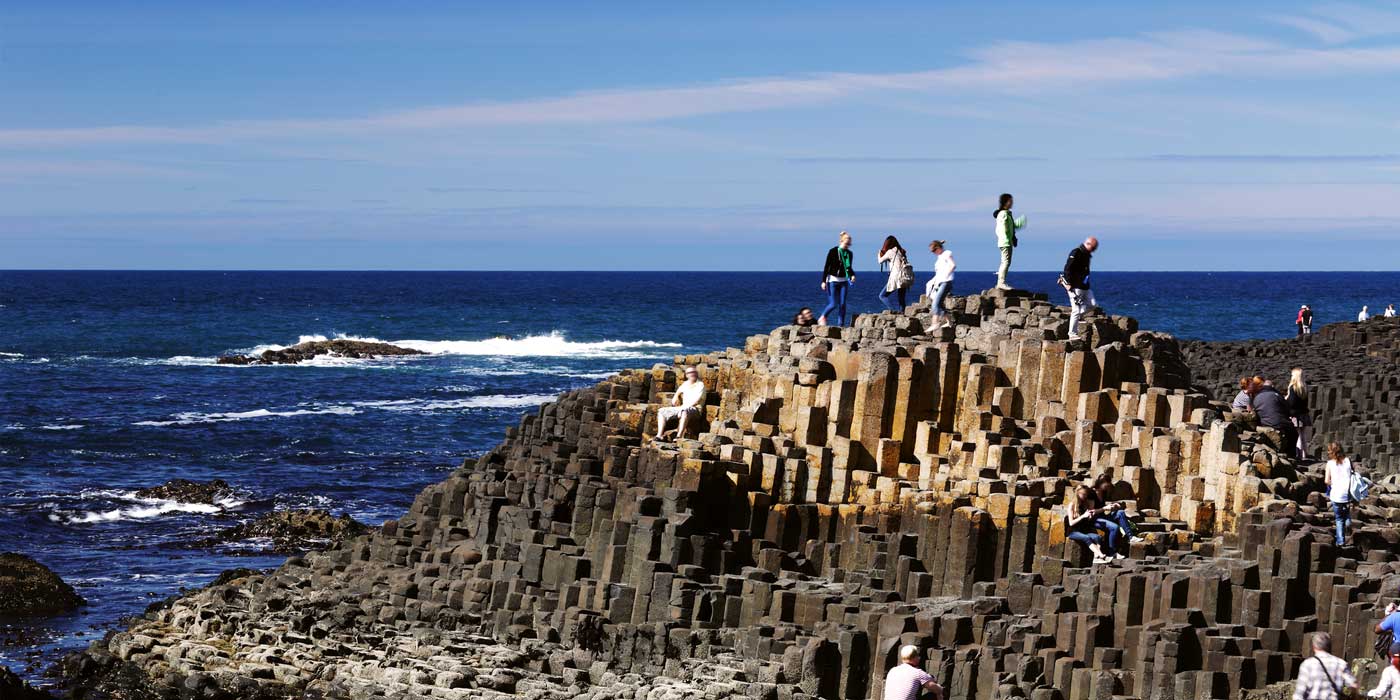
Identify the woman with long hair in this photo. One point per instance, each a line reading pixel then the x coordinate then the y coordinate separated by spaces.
pixel 1296 398
pixel 901 273
pixel 1082 527
pixel 837 276
pixel 1338 476
pixel 1006 226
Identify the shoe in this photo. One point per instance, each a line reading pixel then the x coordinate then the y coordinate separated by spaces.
pixel 821 321
pixel 1005 286
pixel 1101 560
pixel 1119 555
pixel 1075 338
pixel 1135 539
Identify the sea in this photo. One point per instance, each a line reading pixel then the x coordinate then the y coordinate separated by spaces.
pixel 108 384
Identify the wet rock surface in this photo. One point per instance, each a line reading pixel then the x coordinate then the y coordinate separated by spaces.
pixel 301 352
pixel 12 687
pixel 291 531
pixel 850 491
pixel 186 491
pixel 28 588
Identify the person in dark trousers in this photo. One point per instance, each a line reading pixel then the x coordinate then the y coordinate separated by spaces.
pixel 1075 280
pixel 1273 412
pixel 837 277
pixel 1305 319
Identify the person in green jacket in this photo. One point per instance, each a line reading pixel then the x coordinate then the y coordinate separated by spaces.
pixel 1007 225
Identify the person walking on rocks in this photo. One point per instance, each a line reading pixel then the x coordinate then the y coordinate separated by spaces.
pixel 1083 518
pixel 1389 685
pixel 1322 676
pixel 688 402
pixel 901 273
pixel 1389 311
pixel 1363 315
pixel 1305 318
pixel 906 681
pixel 837 278
pixel 942 283
pixel 1296 400
pixel 1006 227
pixel 1338 476
pixel 1075 280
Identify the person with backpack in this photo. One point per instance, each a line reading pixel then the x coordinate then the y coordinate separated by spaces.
pixel 1322 676
pixel 837 277
pixel 1006 227
pixel 1339 476
pixel 1389 685
pixel 901 273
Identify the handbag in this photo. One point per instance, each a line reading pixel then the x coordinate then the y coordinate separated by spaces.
pixel 1359 488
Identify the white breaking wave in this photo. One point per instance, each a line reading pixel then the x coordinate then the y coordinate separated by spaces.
pixel 426 405
pixel 193 418
pixel 553 344
pixel 11 354
pixel 70 426
pixel 147 508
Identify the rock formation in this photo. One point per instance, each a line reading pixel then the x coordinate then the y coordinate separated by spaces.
pixel 290 531
pixel 851 490
pixel 301 352
pixel 29 588
pixel 186 491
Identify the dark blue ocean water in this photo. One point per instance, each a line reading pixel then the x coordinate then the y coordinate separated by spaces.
pixel 107 385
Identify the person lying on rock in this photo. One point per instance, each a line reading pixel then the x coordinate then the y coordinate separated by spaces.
pixel 1112 514
pixel 1083 527
pixel 688 402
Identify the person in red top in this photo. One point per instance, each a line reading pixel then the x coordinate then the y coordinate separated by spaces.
pixel 1301 309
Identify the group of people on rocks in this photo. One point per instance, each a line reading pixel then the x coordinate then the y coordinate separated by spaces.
pixel 1099 523
pixel 1366 313
pixel 838 274
pixel 1305 317
pixel 1259 402
pixel 1326 676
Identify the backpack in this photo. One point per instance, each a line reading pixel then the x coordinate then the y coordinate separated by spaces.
pixel 903 272
pixel 1360 488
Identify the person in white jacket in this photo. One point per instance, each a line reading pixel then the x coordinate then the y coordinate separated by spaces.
pixel 942 282
pixel 1389 686
pixel 1363 315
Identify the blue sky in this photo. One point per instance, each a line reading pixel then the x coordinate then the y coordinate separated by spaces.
pixel 705 136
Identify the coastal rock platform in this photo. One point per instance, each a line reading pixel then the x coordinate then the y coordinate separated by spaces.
pixel 849 491
pixel 340 347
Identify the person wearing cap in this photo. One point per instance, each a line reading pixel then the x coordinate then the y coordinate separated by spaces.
pixel 1305 318
pixel 906 681
pixel 1299 321
pixel 1006 227
pixel 942 282
pixel 1075 280
pixel 689 401
pixel 1389 685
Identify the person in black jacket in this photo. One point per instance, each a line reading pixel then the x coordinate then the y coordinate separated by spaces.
pixel 1273 412
pixel 1296 401
pixel 837 277
pixel 1075 280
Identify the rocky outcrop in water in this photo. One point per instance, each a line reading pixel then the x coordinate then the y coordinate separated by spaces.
pixel 289 531
pixel 186 491
pixel 28 588
pixel 850 491
pixel 301 352
pixel 12 687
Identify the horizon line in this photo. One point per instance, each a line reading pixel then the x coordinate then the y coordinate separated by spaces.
pixel 644 272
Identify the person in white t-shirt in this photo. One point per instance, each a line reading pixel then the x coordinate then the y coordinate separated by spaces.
pixel 907 681
pixel 689 401
pixel 942 283
pixel 1389 311
pixel 1364 314
pixel 1338 477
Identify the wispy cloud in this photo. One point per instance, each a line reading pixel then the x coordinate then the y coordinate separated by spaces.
pixel 1336 23
pixel 1009 66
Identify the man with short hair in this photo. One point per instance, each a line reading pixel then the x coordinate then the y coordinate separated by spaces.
pixel 1322 676
pixel 1306 319
pixel 1075 280
pixel 688 401
pixel 907 681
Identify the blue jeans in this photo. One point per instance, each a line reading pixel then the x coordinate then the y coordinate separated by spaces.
pixel 836 302
pixel 1116 525
pixel 885 298
pixel 940 292
pixel 1342 511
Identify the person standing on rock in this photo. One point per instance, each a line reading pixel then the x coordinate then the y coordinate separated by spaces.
pixel 837 277
pixel 1305 318
pixel 1006 227
pixel 1389 311
pixel 1322 676
pixel 1296 400
pixel 906 681
pixel 901 273
pixel 942 283
pixel 1363 315
pixel 1075 280
pixel 1338 476
pixel 688 402
pixel 1301 309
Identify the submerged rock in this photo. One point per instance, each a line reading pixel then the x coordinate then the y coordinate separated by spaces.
pixel 186 491
pixel 12 687
pixel 294 530
pixel 355 349
pixel 30 588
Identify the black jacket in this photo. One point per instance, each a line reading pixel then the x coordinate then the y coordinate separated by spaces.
pixel 1297 404
pixel 834 267
pixel 1077 268
pixel 1307 317
pixel 1271 409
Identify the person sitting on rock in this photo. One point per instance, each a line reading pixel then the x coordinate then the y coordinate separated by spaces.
pixel 804 317
pixel 1082 527
pixel 689 401
pixel 1112 514
pixel 1243 400
pixel 1273 412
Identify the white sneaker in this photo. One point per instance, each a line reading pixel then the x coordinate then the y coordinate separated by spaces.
pixel 1136 538
pixel 1101 560
pixel 1119 555
pixel 1004 285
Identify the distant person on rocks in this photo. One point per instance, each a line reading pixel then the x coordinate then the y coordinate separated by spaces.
pixel 1305 317
pixel 1268 404
pixel 1006 227
pixel 1301 309
pixel 1363 315
pixel 1322 676
pixel 1389 311
pixel 1296 400
pixel 1338 477
pixel 901 273
pixel 1075 280
pixel 1112 514
pixel 1242 402
pixel 804 317
pixel 907 681
pixel 942 283
pixel 1083 527
pixel 688 402
pixel 837 278
pixel 1389 685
